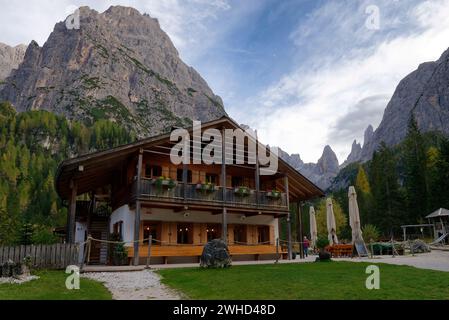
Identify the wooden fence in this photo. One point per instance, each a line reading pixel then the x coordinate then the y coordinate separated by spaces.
pixel 56 256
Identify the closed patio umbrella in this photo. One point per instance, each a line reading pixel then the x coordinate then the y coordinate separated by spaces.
pixel 331 225
pixel 354 216
pixel 313 228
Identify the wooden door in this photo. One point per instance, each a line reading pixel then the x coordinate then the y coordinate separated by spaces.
pixel 95 249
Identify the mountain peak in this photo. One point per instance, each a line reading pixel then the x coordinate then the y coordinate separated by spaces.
pixel 10 58
pixel 369 132
pixel 328 161
pixel 120 65
pixel 328 150
pixel 354 156
pixel 119 10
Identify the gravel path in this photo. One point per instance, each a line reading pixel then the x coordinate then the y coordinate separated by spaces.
pixel 18 280
pixel 435 260
pixel 141 285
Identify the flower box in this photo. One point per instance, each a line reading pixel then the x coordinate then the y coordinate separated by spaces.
pixel 242 191
pixel 164 183
pixel 274 194
pixel 206 187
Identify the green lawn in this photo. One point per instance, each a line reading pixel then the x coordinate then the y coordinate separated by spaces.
pixel 333 280
pixel 51 286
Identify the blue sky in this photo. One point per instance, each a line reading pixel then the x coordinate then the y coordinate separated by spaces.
pixel 305 73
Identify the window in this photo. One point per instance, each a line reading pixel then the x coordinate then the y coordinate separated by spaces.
pixel 180 173
pixel 151 229
pixel 213 232
pixel 211 178
pixel 263 234
pixel 185 233
pixel 153 171
pixel 118 229
pixel 237 182
pixel 240 234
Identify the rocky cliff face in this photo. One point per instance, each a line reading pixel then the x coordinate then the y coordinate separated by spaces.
pixel 321 173
pixel 357 150
pixel 294 160
pixel 425 93
pixel 119 65
pixel 10 58
pixel 355 155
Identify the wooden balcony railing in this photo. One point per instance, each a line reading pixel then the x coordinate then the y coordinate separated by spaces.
pixel 191 193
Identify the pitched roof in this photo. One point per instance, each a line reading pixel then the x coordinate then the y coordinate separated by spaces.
pixel 98 167
pixel 438 213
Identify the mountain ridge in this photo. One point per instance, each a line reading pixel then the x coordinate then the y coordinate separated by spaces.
pixel 120 65
pixel 321 173
pixel 423 93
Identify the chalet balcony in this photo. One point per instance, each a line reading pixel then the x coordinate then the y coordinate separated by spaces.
pixel 210 195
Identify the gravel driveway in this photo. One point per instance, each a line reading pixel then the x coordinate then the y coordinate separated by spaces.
pixel 141 285
pixel 435 260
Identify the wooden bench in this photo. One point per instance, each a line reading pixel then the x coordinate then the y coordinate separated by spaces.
pixel 196 251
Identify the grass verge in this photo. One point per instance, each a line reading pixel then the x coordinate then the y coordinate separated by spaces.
pixel 306 281
pixel 51 286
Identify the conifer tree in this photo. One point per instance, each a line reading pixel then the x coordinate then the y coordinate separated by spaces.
pixel 388 208
pixel 415 172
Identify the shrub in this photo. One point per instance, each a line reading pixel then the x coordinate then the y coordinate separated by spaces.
pixel 370 232
pixel 322 242
pixel 43 235
pixel 119 251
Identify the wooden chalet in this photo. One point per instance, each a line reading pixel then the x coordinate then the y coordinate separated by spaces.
pixel 134 192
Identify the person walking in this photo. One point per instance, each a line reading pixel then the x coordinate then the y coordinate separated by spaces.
pixel 305 246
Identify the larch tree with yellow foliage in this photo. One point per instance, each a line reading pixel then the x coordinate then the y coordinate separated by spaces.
pixel 321 218
pixel 364 196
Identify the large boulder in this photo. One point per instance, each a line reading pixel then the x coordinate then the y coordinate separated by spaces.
pixel 419 246
pixel 323 256
pixel 215 255
pixel 10 269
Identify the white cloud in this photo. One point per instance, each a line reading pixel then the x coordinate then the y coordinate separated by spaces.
pixel 300 111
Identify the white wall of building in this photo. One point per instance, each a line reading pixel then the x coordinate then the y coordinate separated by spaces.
pixel 80 237
pixel 125 215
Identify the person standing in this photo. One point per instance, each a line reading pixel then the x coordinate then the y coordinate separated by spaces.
pixel 305 246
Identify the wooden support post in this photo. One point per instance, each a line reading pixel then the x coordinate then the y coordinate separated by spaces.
pixel 300 231
pixel 289 220
pixel 289 236
pixel 72 213
pixel 224 228
pixel 257 174
pixel 86 245
pixel 149 252
pixel 185 179
pixel 277 250
pixel 89 247
pixel 138 209
pixel 392 247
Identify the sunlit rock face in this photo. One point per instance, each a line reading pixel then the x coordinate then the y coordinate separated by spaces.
pixel 118 65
